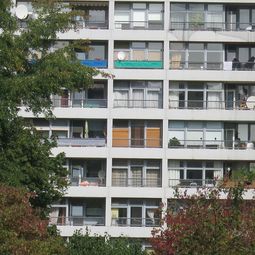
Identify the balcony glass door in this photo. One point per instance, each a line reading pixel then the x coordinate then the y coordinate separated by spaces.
pixel 136 216
pixel 230 99
pixel 136 176
pixel 138 98
pixel 229 135
pixel 137 135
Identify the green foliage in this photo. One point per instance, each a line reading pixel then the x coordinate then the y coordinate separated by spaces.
pixel 174 142
pixel 29 74
pixel 243 175
pixel 22 232
pixel 103 245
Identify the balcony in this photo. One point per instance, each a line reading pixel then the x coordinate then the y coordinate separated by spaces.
pixel 122 103
pixel 139 16
pixel 79 103
pixel 226 66
pixel 136 182
pixel 211 26
pixel 210 144
pixel 81 142
pixel 96 56
pixel 141 55
pixel 136 222
pixel 137 143
pixel 137 64
pixel 249 104
pixel 95 63
pixel 193 183
pixel 77 221
pixel 87 181
pixel 139 25
pixel 90 24
pixel 90 15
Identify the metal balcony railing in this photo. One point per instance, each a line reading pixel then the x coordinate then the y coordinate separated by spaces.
pixel 208 104
pixel 91 24
pixel 193 183
pixel 79 103
pixel 210 144
pixel 226 66
pixel 81 142
pixel 122 103
pixel 139 25
pixel 87 181
pixel 136 222
pixel 211 26
pixel 136 182
pixel 137 143
pixel 77 221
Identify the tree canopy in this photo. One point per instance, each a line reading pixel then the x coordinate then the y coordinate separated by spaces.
pixel 22 232
pixel 30 72
pixel 103 245
pixel 205 224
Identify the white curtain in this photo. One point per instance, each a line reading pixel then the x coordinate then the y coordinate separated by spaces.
pixel 139 18
pixel 213 100
pixel 215 20
pixel 174 175
pixel 150 214
pixel 152 99
pixel 173 99
pixel 119 177
pixel 121 98
pixel 54 216
pixel 138 98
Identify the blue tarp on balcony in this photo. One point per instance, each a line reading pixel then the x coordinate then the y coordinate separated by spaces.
pixel 95 63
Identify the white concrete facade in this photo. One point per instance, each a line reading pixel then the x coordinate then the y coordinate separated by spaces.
pixel 223 153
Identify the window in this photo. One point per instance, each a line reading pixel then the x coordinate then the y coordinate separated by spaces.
pixel 196 56
pixel 138 94
pixel 138 15
pixel 194 173
pixel 136 213
pixel 195 95
pixel 97 51
pixel 197 16
pixel 136 173
pixel 194 134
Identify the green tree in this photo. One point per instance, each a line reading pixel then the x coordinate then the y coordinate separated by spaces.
pixel 22 232
pixel 29 74
pixel 103 245
pixel 205 224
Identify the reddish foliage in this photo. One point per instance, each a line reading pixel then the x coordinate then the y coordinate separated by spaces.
pixel 205 224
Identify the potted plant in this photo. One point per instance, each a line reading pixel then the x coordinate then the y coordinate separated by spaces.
pixel 174 142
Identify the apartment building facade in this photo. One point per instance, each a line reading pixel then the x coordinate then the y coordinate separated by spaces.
pixel 179 111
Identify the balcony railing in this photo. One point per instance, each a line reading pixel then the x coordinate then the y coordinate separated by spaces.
pixel 77 221
pixel 122 103
pixel 139 25
pixel 136 222
pixel 211 144
pixel 90 24
pixel 138 64
pixel 193 183
pixel 98 63
pixel 79 103
pixel 211 26
pixel 87 181
pixel 226 66
pixel 203 104
pixel 136 182
pixel 137 143
pixel 81 142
